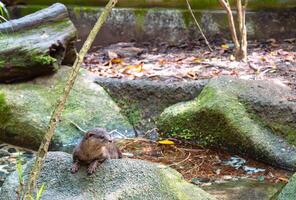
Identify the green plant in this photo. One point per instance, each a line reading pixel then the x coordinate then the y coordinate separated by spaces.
pixel 4 15
pixel 20 190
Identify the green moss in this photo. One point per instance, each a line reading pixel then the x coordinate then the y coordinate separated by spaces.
pixel 213 119
pixel 26 10
pixel 140 15
pixel 286 131
pixel 181 188
pixel 187 18
pixel 4 110
pixel 130 110
pixel 44 59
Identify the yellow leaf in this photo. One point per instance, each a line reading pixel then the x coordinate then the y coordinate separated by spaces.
pixel 135 68
pixel 116 60
pixel 167 142
pixel 197 60
pixel 225 46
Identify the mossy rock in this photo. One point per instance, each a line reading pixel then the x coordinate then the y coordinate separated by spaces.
pixel 36 44
pixel 114 180
pixel 254 118
pixel 289 191
pixel 25 110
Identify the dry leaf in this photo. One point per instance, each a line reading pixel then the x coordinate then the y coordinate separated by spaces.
pixel 116 60
pixel 225 46
pixel 166 142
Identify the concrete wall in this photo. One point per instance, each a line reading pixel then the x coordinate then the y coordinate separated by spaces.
pixel 172 25
pixel 196 4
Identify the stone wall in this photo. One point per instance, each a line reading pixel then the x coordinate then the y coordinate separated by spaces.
pixel 174 25
pixel 196 4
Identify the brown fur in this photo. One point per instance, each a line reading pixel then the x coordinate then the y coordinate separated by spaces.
pixel 95 147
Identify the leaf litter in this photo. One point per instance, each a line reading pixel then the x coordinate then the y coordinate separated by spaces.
pixel 200 165
pixel 271 59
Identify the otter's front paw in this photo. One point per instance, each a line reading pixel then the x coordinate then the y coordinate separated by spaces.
pixel 74 168
pixel 92 167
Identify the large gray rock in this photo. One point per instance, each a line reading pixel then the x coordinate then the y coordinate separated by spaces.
pixel 289 191
pixel 25 110
pixel 244 189
pixel 142 101
pixel 115 179
pixel 257 118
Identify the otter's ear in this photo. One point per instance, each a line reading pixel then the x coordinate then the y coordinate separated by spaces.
pixel 88 135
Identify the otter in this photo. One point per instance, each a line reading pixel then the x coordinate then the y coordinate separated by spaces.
pixel 95 147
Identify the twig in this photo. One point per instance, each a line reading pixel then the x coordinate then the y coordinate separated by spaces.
pixel 180 161
pixel 43 149
pixel 197 24
pixel 77 126
pixel 116 131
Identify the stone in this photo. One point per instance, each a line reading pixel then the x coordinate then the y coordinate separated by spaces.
pixel 142 101
pixel 244 189
pixel 254 118
pixel 3 153
pixel 115 179
pixel 25 110
pixel 36 44
pixel 289 191
pixel 11 150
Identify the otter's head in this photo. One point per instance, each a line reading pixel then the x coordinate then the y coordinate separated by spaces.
pixel 98 135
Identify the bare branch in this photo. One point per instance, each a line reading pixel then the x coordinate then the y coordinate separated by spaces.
pixel 197 24
pixel 226 6
pixel 43 149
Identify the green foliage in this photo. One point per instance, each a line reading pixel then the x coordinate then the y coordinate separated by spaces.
pixel 188 135
pixel 20 191
pixel 45 60
pixel 19 170
pixel 3 13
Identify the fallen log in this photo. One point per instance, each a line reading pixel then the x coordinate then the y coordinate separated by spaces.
pixel 36 44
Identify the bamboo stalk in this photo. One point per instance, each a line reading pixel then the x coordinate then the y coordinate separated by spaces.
pixel 43 149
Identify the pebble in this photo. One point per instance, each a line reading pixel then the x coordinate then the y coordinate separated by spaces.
pixel 8 159
pixel 3 153
pixel 11 150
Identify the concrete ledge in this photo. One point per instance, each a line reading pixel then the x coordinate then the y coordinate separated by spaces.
pixel 173 26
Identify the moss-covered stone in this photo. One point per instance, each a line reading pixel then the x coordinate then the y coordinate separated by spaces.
pixel 289 191
pixel 114 180
pixel 30 106
pixel 243 189
pixel 236 114
pixel 35 44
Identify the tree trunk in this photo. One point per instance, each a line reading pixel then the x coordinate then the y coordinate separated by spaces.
pixel 43 149
pixel 36 44
pixel 239 39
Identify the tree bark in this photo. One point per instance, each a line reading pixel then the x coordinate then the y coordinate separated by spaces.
pixel 225 4
pixel 239 38
pixel 43 149
pixel 36 44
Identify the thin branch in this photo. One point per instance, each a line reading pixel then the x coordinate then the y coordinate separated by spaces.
pixel 198 26
pixel 225 4
pixel 43 149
